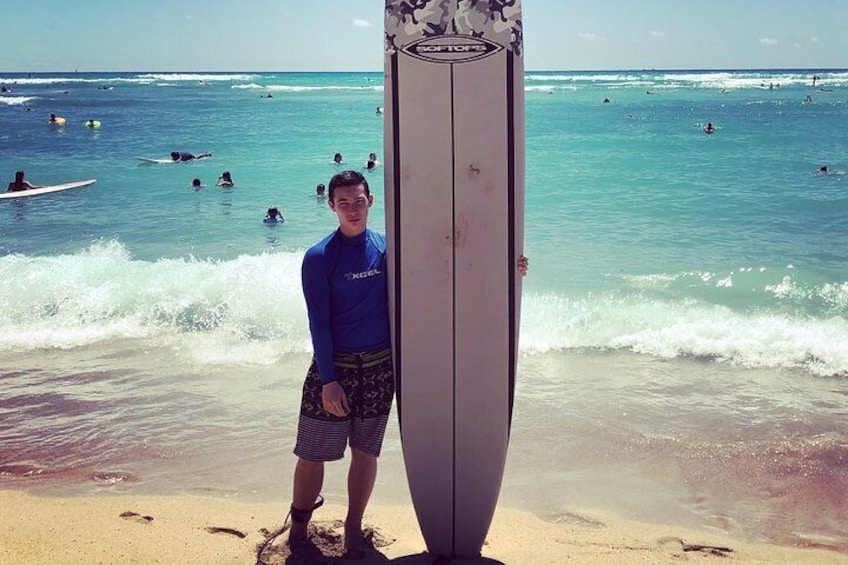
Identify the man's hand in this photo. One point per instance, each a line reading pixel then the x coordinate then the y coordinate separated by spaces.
pixel 334 399
pixel 523 264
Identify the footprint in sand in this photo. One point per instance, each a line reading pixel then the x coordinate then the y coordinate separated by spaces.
pixel 715 550
pixel 230 531
pixel 136 517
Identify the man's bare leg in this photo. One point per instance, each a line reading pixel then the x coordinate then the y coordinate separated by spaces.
pixel 308 479
pixel 360 484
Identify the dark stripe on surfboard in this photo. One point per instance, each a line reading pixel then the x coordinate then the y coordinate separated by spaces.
pixel 453 306
pixel 512 259
pixel 397 234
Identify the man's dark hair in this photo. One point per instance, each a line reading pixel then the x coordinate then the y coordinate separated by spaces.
pixel 348 178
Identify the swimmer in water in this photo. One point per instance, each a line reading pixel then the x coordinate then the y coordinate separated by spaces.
pixel 273 214
pixel 20 183
pixel 225 180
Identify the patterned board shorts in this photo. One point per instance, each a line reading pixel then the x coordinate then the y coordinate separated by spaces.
pixel 368 382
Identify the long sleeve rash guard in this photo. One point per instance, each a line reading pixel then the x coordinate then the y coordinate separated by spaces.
pixel 345 286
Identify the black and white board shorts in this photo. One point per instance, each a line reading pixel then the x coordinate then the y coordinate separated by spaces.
pixel 368 382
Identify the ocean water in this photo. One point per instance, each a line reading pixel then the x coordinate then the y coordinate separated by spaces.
pixel 684 345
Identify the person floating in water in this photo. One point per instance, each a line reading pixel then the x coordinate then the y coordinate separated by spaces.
pixel 197 185
pixel 185 156
pixel 606 100
pixel 379 110
pixel 92 124
pixel 337 159
pixel 225 180
pixel 372 158
pixel 824 170
pixel 56 120
pixel 710 128
pixel 321 192
pixel 273 215
pixel 20 183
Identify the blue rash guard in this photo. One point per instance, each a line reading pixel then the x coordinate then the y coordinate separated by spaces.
pixel 345 286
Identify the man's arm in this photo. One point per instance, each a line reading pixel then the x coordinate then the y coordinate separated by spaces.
pixel 316 290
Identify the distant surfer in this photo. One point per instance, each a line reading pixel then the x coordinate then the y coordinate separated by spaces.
pixel 225 180
pixel 709 128
pixel 20 183
pixel 185 156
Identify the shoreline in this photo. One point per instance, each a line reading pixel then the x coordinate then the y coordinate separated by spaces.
pixel 190 529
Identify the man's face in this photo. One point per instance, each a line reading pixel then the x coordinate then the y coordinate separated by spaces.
pixel 351 204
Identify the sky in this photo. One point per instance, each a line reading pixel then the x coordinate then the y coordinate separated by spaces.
pixel 346 35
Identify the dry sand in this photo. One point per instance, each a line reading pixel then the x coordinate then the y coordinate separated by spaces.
pixel 190 530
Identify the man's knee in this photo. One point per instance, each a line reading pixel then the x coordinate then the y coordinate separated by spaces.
pixel 360 455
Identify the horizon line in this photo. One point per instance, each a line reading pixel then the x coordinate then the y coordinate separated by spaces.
pixel 610 70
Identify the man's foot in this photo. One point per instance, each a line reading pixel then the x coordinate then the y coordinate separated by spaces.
pixel 286 544
pixel 357 545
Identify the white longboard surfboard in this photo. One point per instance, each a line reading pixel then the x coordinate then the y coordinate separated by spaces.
pixel 46 189
pixel 454 170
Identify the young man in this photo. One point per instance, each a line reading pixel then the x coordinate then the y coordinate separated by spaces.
pixel 349 387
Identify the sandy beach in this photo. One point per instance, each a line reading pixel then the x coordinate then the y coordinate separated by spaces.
pixel 181 529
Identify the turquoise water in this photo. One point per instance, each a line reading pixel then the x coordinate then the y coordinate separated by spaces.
pixel 628 203
pixel 669 261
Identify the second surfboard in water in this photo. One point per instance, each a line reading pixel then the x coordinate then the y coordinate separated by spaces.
pixel 454 160
pixel 47 189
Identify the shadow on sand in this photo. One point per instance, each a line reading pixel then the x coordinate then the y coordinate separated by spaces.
pixel 325 546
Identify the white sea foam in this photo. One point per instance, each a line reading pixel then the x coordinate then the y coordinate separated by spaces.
pixel 15 100
pixel 548 89
pixel 294 88
pixel 212 311
pixel 146 78
pixel 251 310
pixel 195 77
pixel 691 79
pixel 687 328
